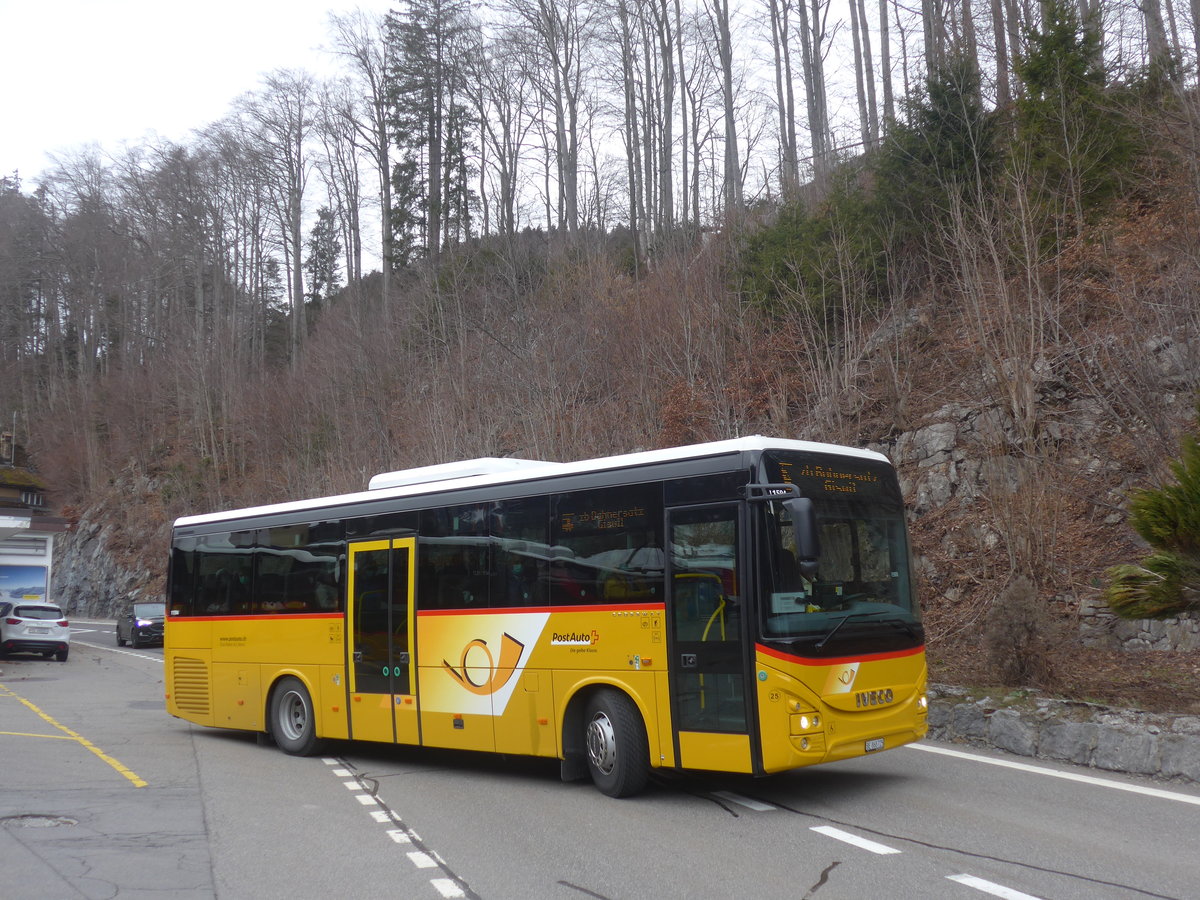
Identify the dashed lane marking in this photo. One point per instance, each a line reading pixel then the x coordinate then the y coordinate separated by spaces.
pixel 990 887
pixel 847 837
pixel 756 805
pixel 419 855
pixel 448 888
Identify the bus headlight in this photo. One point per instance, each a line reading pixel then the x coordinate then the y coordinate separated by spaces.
pixel 923 703
pixel 808 722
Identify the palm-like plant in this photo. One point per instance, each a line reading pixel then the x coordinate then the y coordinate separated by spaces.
pixel 1167 581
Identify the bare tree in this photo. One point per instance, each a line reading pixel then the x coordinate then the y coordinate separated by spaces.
pixel 885 62
pixel 1157 48
pixel 864 74
pixel 339 170
pixel 719 20
pixel 666 30
pixel 558 32
pixel 503 105
pixel 360 39
pixel 1003 73
pixel 624 37
pixel 779 12
pixel 813 36
pixel 281 116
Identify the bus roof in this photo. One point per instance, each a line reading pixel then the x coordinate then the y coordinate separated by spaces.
pixel 487 471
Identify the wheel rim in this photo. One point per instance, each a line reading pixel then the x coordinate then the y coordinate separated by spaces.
pixel 602 743
pixel 293 716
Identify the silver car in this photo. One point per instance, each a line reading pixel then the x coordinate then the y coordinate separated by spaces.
pixel 29 626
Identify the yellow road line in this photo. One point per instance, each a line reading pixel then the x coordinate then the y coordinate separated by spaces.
pixel 75 736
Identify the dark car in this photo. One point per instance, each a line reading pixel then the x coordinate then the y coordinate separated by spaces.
pixel 142 625
pixel 34 627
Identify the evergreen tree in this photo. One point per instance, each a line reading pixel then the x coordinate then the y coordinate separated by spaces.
pixel 1168 580
pixel 431 44
pixel 1077 143
pixel 946 147
pixel 323 264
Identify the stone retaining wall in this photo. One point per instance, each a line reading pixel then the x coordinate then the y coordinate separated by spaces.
pixel 1100 628
pixel 1086 734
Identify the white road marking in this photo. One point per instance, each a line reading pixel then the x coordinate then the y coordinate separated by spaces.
pixel 422 859
pixel 447 888
pixel 990 887
pixel 1068 776
pixel 756 805
pixel 157 659
pixel 838 834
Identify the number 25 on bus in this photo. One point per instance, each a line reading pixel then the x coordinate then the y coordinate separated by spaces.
pixel 738 606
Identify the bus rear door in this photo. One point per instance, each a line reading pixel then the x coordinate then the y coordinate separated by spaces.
pixel 380 669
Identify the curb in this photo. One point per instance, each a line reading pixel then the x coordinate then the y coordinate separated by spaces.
pixel 1101 737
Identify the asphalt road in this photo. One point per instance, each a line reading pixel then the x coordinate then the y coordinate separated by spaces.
pixel 103 795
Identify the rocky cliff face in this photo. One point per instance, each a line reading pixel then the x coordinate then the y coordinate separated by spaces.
pixel 90 580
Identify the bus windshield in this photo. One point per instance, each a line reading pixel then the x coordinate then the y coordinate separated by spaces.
pixel 859 588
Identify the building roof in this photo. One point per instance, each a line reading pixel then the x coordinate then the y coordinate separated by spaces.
pixel 14 476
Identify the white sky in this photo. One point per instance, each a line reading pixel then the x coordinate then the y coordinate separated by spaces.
pixel 80 72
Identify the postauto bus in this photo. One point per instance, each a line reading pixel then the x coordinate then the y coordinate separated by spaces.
pixel 739 606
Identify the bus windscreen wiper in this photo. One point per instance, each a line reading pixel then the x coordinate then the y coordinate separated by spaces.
pixel 897 621
pixel 832 631
pixel 900 622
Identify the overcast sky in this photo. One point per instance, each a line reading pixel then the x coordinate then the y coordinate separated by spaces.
pixel 77 72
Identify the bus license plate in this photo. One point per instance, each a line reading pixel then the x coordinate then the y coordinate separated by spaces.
pixel 874 744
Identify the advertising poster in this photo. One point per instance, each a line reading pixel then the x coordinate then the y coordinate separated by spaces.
pixel 22 582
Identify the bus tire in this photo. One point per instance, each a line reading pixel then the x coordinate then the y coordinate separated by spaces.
pixel 618 757
pixel 292 722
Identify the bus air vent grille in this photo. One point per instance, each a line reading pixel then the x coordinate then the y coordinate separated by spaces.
pixel 191 685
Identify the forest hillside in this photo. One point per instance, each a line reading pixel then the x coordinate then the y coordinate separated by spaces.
pixel 1003 299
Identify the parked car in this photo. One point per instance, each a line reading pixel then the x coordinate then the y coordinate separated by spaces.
pixel 30 626
pixel 142 625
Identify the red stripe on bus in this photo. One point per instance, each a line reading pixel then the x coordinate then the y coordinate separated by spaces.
pixel 511 610
pixel 837 660
pixel 257 617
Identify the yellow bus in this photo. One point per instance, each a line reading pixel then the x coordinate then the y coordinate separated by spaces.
pixel 738 606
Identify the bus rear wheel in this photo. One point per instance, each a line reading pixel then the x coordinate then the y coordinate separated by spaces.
pixel 292 722
pixel 615 737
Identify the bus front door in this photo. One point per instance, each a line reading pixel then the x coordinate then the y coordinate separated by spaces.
pixel 380 669
pixel 708 628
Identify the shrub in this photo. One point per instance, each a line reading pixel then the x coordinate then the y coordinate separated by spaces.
pixel 1020 637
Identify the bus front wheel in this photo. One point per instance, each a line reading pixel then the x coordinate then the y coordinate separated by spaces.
pixel 293 724
pixel 615 737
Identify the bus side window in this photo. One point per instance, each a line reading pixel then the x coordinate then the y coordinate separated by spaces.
pixel 610 545
pixel 183 578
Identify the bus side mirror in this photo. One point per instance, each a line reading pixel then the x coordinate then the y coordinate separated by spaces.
pixel 804 523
